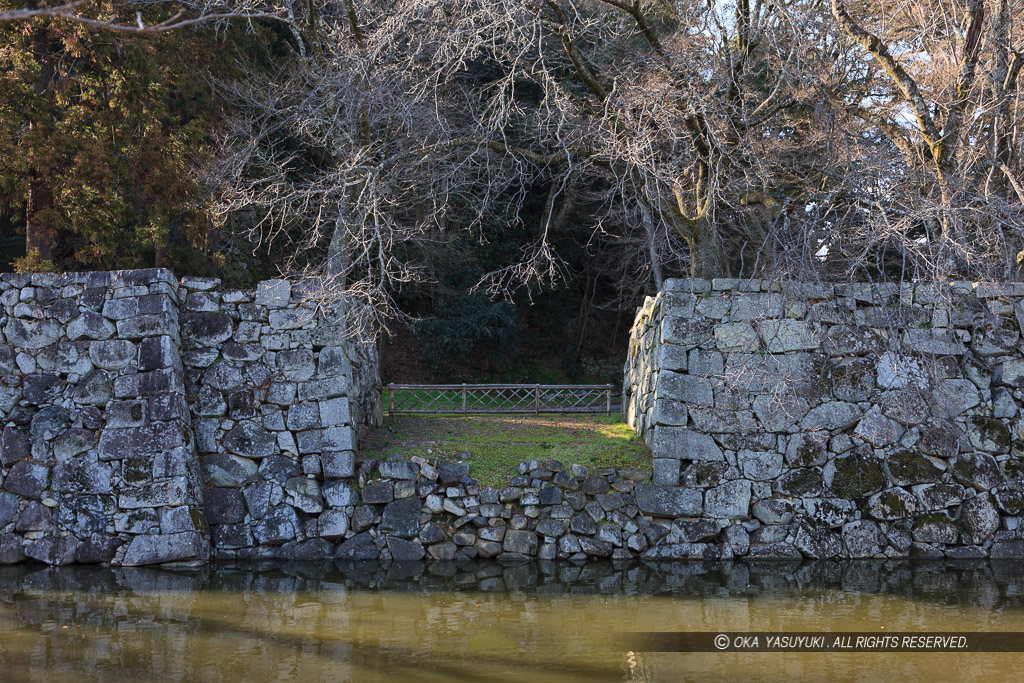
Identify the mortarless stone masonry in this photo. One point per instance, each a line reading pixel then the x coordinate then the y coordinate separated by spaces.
pixel 148 421
pixel 136 408
pixel 849 420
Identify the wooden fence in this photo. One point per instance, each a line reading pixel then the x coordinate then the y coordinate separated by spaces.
pixel 499 398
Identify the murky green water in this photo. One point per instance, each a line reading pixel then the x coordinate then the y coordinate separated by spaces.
pixel 538 622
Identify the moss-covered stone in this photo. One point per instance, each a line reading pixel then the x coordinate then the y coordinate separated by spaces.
pixel 940 440
pixel 704 474
pixel 856 476
pixel 1010 502
pixel 1013 468
pixel 978 470
pixel 988 434
pixel 799 483
pixel 807 450
pixel 909 467
pixel 935 527
pixel 894 503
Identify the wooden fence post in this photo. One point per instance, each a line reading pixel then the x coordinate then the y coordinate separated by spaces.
pixel 536 405
pixel 391 399
pixel 609 395
pixel 463 398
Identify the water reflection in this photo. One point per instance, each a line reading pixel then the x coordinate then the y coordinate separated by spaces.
pixel 541 621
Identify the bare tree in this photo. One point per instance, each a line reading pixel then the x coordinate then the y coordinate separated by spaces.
pixel 200 13
pixel 938 83
pixel 653 116
pixel 740 138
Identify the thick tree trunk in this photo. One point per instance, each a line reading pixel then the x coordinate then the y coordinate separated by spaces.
pixel 706 257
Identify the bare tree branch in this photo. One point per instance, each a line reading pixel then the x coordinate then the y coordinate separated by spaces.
pixel 71 12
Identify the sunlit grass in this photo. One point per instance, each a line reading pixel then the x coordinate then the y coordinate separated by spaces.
pixel 494 444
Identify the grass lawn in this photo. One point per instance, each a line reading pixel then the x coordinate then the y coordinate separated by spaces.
pixel 494 444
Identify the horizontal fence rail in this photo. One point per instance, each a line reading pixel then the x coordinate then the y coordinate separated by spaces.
pixel 499 398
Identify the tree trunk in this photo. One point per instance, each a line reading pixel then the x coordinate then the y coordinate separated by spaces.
pixel 706 258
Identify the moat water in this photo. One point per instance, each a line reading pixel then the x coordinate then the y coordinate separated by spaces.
pixel 536 622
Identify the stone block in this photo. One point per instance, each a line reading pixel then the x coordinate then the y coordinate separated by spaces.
pixel 83 475
pixel 156 353
pixel 14 446
pixel 167 492
pixel 401 518
pixel 115 444
pixel 158 549
pixel 112 354
pixel 302 416
pixel 273 293
pixel 224 470
pixel 784 336
pixel 141 326
pixel 736 337
pixel 729 500
pixel 32 334
pixel 668 501
pixel 335 412
pixel 685 444
pixel 290 319
pixel 206 328
pixel 666 471
pixel 250 440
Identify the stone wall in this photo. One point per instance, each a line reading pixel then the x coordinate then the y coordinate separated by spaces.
pixel 151 421
pixel 97 452
pixel 115 383
pixel 847 420
pixel 278 389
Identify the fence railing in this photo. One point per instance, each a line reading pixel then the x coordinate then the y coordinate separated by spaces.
pixel 499 398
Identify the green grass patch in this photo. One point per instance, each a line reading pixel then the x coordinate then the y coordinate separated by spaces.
pixel 494 444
